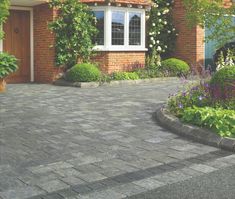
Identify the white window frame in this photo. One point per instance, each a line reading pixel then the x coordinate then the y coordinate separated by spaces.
pixel 108 29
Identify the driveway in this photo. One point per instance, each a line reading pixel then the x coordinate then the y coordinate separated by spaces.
pixel 58 142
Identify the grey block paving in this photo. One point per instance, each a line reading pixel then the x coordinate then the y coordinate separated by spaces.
pixel 58 142
pixel 149 183
pixel 129 189
pixel 21 192
pixel 202 168
pixel 53 185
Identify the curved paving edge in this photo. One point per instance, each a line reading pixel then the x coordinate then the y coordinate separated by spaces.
pixel 202 135
pixel 61 82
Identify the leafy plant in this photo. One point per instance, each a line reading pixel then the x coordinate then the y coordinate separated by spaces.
pixel 105 78
pixel 220 120
pixel 125 76
pixel 4 7
pixel 175 67
pixel 74 30
pixel 8 64
pixel 84 72
pixel 149 73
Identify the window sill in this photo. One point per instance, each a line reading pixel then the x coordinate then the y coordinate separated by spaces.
pixel 120 48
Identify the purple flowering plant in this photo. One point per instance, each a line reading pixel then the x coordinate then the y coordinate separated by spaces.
pixel 194 95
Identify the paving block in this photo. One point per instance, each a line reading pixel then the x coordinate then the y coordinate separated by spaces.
pixel 149 183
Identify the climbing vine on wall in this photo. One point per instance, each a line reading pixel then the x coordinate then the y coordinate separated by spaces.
pixel 161 31
pixel 74 30
pixel 4 12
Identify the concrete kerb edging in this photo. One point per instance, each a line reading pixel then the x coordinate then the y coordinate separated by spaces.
pixel 61 82
pixel 201 135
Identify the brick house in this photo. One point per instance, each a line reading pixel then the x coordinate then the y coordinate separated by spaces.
pixel 120 43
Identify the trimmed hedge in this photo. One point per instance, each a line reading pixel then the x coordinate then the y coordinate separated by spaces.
pixel 84 72
pixel 223 83
pixel 175 67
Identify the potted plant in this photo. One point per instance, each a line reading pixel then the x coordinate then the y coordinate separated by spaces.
pixel 8 65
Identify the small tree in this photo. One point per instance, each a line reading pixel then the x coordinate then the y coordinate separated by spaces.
pixel 162 34
pixel 74 29
pixel 213 15
pixel 4 12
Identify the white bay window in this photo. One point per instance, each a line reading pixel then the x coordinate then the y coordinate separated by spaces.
pixel 120 29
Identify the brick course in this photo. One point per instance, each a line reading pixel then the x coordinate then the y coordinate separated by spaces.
pixel 120 61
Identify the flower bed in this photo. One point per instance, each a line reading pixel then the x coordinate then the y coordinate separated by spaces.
pixel 88 72
pixel 207 106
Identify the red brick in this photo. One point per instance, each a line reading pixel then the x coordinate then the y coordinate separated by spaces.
pixel 44 52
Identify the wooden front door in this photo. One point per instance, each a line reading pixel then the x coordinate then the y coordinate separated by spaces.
pixel 17 43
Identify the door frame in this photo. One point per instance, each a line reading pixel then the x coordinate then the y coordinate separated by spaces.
pixel 30 9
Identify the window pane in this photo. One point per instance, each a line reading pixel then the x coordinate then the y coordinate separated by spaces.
pixel 99 40
pixel 118 20
pixel 134 28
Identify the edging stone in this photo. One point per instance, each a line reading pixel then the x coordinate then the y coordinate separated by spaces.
pixel 62 82
pixel 201 135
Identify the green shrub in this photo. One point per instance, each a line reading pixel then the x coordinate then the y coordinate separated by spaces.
pixel 8 64
pixel 222 121
pixel 223 83
pixel 133 75
pixel 148 73
pixel 125 76
pixel 105 78
pixel 84 72
pixel 223 75
pixel 142 73
pixel 175 67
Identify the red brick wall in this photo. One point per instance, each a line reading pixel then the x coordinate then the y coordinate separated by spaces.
pixel 120 61
pixel 44 53
pixel 189 44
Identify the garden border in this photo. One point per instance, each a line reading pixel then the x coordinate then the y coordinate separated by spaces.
pixel 61 82
pixel 201 135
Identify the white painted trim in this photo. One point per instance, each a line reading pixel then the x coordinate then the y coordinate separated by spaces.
pixel 31 39
pixel 119 48
pixel 108 29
